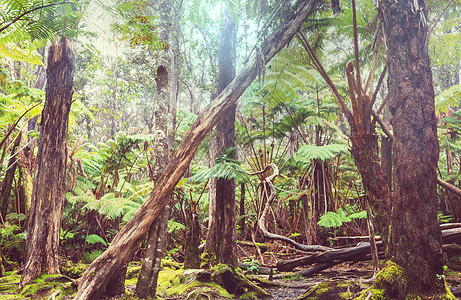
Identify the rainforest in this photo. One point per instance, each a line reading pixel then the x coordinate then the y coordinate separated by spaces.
pixel 230 149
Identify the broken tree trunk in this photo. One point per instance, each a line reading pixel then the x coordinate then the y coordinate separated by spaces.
pixel 358 253
pixel 49 186
pixel 99 273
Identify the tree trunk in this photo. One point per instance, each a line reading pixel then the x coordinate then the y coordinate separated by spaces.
pixel 386 159
pixel 242 208
pixel 222 238
pixel 9 176
pixel 192 240
pixel 26 167
pixel 122 248
pixel 156 240
pixel 49 184
pixel 415 241
pixel 156 243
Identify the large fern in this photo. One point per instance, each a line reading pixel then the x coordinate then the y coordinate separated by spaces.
pixel 225 167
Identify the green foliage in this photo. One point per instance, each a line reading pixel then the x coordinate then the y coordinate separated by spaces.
pixel 337 219
pixel 94 238
pixel 174 226
pixel 134 23
pixel 448 99
pixel 24 21
pixel 225 167
pixel 322 153
pixel 252 265
pixel 88 257
pixel 109 205
pixel 12 239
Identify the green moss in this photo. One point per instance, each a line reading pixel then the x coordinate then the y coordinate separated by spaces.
pixel 222 282
pixel 72 270
pixel 130 281
pixel 207 259
pixel 133 272
pixel 328 290
pixel 235 282
pixel 168 263
pixel 249 295
pixel 392 283
pixel 168 278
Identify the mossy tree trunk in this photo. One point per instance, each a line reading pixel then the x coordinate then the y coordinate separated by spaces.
pixel 44 229
pixel 192 240
pixel 156 240
pixel 96 277
pixel 221 240
pixel 415 240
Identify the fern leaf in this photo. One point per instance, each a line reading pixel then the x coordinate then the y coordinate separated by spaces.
pixel 94 238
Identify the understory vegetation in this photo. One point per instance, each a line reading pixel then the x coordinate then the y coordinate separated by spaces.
pixel 287 120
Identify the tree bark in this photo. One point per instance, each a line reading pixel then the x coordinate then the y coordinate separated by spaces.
pixel 192 240
pixel 9 176
pixel 156 240
pixel 49 184
pixel 415 241
pixel 122 248
pixel 221 241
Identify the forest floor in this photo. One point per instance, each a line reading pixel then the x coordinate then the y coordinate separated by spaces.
pixel 343 281
pixel 346 279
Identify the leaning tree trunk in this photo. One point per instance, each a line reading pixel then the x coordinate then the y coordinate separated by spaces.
pixel 221 240
pixel 122 248
pixel 44 227
pixel 415 241
pixel 156 240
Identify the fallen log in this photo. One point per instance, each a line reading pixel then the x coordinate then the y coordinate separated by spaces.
pixel 448 186
pixel 338 256
pixel 366 238
pixel 360 252
pixel 452 235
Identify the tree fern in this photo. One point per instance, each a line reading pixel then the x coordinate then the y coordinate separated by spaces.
pixel 225 167
pixel 308 152
pixel 337 219
pixel 113 207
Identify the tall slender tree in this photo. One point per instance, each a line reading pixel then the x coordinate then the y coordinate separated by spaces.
pixel 221 240
pixel 156 240
pixel 49 185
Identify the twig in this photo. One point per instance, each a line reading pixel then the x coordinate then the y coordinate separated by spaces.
pixel 53 296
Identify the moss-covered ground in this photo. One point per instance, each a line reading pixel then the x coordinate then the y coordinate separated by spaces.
pixel 341 282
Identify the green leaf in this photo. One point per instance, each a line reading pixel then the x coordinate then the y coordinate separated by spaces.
pixel 307 152
pixel 15 216
pixel 358 215
pixel 173 226
pixel 332 219
pixel 94 238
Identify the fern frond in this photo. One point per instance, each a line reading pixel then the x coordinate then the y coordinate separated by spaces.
pixel 308 152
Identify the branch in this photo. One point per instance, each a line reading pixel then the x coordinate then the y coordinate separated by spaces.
pixel 373 99
pixel 329 82
pixel 28 12
pixel 449 187
pixel 358 86
pixel 383 126
pixel 262 220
